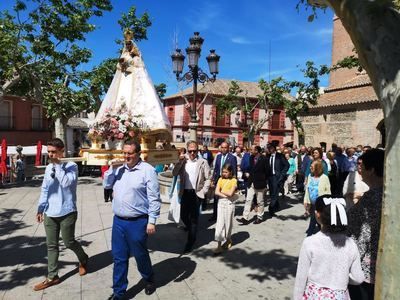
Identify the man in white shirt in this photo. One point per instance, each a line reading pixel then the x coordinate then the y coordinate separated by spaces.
pixel 194 173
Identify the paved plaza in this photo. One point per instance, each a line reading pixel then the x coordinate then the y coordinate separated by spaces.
pixel 260 265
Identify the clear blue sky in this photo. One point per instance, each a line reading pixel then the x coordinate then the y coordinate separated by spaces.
pixel 239 30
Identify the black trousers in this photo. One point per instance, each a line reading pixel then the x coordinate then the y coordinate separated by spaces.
pixel 190 210
pixel 215 207
pixel 274 188
pixel 108 195
pixel 300 182
pixel 364 291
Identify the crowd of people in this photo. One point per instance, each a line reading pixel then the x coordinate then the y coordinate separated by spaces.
pixel 342 194
pixel 341 190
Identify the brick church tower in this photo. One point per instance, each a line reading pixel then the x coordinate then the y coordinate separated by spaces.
pixel 348 113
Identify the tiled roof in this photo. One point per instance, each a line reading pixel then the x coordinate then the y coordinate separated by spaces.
pixel 359 80
pixel 220 87
pixel 350 95
pixel 77 123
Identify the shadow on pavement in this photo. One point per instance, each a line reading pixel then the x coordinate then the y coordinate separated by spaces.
pixel 28 183
pixel 274 264
pixel 24 257
pixel 239 237
pixel 174 269
pixel 169 238
pixel 86 180
pixel 99 261
pixel 291 217
pixel 8 225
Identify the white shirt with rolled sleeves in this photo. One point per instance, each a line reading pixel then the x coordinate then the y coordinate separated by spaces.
pixel 136 191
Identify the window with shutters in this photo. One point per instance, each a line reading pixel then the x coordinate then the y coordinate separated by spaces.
pixel 6 120
pixel 37 121
pixel 276 120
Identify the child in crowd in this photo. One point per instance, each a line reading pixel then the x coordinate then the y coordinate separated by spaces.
pixel 225 190
pixel 329 259
pixel 20 168
pixel 107 192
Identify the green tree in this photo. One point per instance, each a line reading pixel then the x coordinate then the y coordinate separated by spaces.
pixel 41 54
pixel 275 93
pixel 161 89
pixel 374 28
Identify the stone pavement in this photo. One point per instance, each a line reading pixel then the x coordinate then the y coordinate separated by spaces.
pixel 260 265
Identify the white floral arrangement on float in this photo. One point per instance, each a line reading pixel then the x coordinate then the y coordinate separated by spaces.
pixel 120 124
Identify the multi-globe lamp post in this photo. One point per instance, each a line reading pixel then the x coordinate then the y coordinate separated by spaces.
pixel 195 73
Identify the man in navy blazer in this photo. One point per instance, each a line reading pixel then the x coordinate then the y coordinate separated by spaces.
pixel 225 157
pixel 279 167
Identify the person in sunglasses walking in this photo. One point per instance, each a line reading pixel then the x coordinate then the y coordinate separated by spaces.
pixel 195 176
pixel 57 209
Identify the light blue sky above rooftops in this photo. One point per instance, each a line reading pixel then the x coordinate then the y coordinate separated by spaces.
pixel 241 31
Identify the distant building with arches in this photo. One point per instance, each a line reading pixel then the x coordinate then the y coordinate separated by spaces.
pixel 348 112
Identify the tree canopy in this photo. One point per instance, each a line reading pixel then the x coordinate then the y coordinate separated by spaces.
pixel 48 52
pixel 277 93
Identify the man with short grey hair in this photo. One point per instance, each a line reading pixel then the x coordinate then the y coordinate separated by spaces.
pixel 194 173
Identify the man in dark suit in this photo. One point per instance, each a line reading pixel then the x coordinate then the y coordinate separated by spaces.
pixel 207 155
pixel 257 177
pixel 225 157
pixel 279 167
pixel 302 158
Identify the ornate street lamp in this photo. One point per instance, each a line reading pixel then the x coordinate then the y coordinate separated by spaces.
pixel 195 73
pixel 249 123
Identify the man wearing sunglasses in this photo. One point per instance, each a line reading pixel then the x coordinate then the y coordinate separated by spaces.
pixel 194 173
pixel 57 209
pixel 136 206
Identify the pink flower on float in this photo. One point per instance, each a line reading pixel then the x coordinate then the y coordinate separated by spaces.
pixel 120 136
pixel 131 133
pixel 126 123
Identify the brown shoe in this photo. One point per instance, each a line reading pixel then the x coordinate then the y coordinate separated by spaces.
pixel 83 268
pixel 47 283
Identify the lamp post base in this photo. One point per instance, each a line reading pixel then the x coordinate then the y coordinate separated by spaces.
pixel 193 131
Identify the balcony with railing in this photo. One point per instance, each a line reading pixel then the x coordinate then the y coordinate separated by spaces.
pixel 7 123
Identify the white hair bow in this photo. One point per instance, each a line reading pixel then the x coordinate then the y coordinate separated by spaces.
pixel 340 204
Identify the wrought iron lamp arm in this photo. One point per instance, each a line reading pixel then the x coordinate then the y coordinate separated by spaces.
pixel 195 74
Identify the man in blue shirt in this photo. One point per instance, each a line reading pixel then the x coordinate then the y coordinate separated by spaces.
pixel 57 208
pixel 136 206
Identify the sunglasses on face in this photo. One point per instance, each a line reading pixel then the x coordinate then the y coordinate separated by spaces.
pixel 53 173
pixel 192 151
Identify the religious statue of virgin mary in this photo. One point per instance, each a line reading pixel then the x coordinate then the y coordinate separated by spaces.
pixel 133 89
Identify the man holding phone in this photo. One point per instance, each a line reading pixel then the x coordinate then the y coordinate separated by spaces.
pixel 57 209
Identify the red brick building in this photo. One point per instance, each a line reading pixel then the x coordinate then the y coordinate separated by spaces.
pixel 215 126
pixel 348 112
pixel 23 122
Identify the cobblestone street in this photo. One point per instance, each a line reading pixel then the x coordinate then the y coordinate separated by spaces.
pixel 260 265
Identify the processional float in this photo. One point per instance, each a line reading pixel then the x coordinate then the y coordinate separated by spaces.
pixel 130 109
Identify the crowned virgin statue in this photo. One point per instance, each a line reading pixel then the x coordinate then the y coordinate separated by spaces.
pixel 133 89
